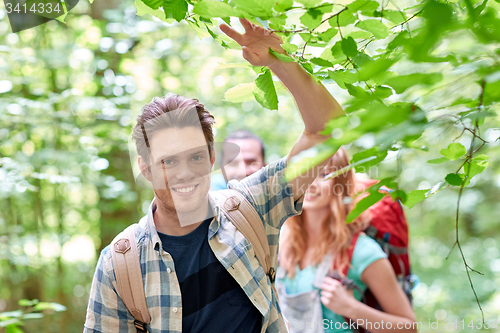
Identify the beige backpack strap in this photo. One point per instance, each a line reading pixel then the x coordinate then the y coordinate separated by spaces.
pixel 246 219
pixel 129 277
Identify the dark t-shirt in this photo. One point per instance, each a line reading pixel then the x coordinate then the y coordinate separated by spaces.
pixel 212 300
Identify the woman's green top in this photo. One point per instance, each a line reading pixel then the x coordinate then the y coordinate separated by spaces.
pixel 365 253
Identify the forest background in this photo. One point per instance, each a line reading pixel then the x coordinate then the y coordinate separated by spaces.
pixel 418 80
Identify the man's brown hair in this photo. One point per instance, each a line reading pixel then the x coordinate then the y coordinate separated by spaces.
pixel 156 115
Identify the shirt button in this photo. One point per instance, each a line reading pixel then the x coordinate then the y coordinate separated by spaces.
pixel 169 270
pixel 175 310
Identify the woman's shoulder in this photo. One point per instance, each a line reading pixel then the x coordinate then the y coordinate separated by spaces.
pixel 366 251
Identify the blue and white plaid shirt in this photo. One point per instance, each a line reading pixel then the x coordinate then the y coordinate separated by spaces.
pixel 270 195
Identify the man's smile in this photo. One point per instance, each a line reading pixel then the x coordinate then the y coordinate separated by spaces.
pixel 184 190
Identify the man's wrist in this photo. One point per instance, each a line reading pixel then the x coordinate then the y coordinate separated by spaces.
pixel 280 67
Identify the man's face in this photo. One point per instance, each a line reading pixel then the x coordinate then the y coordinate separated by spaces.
pixel 248 161
pixel 180 168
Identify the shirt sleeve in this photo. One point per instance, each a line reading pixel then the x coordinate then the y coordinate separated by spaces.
pixel 106 312
pixel 366 252
pixel 270 193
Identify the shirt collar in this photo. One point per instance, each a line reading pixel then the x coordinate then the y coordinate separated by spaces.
pixel 151 227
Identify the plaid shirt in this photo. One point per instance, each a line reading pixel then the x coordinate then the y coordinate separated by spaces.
pixel 270 195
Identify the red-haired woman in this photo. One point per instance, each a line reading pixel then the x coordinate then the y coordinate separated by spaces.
pixel 310 243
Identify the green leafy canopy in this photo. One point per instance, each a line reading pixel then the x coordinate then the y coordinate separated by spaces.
pixel 417 53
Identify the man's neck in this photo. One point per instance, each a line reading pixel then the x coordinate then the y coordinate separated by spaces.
pixel 178 224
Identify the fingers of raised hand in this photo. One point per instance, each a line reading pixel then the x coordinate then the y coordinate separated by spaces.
pixel 247 25
pixel 230 32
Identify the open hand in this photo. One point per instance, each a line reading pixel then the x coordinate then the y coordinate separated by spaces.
pixel 336 297
pixel 255 43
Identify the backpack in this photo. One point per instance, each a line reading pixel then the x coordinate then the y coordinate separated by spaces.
pixel 389 228
pixel 126 263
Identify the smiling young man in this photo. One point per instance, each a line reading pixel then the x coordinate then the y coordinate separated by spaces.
pixel 199 273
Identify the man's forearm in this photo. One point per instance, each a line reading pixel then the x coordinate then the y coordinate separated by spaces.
pixel 316 105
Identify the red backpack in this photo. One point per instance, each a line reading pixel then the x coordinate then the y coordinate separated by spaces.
pixel 389 228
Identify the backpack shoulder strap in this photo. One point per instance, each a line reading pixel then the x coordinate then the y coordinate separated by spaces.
pixel 350 251
pixel 129 277
pixel 246 219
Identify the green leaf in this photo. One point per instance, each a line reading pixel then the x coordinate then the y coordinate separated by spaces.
pixel 228 42
pixel 259 69
pixel 265 92
pixel 454 179
pixel 454 151
pixel 345 18
pixel 383 92
pixel 176 9
pixel 334 54
pixel 375 154
pixel 374 68
pixel 476 167
pixel 438 15
pixel 414 197
pixel 26 302
pixel 377 28
pixel 324 8
pixel 288 47
pixel 153 4
pixel 306 36
pixel 321 62
pixel 142 9
pixel 438 160
pixel 398 195
pixel 32 316
pixel 349 47
pixel 491 93
pixel 357 92
pixel 307 66
pixel 363 205
pixel 327 35
pixel 359 34
pixel 282 57
pixel 10 322
pixel 241 93
pixel 260 8
pixel 199 31
pixel 12 314
pixel 309 3
pixel 309 158
pixel 52 306
pixel 361 59
pixel 13 329
pixel 215 9
pixel 402 82
pixel 343 76
pixel 349 167
pixel 283 5
pixel 364 5
pixel 311 18
pixel 394 16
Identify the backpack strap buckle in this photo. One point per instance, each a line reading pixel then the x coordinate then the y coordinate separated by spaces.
pixel 272 274
pixel 140 326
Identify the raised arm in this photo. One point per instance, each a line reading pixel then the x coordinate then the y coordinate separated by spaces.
pixel 315 103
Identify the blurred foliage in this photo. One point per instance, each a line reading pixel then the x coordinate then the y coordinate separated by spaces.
pixel 35 310
pixel 69 93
